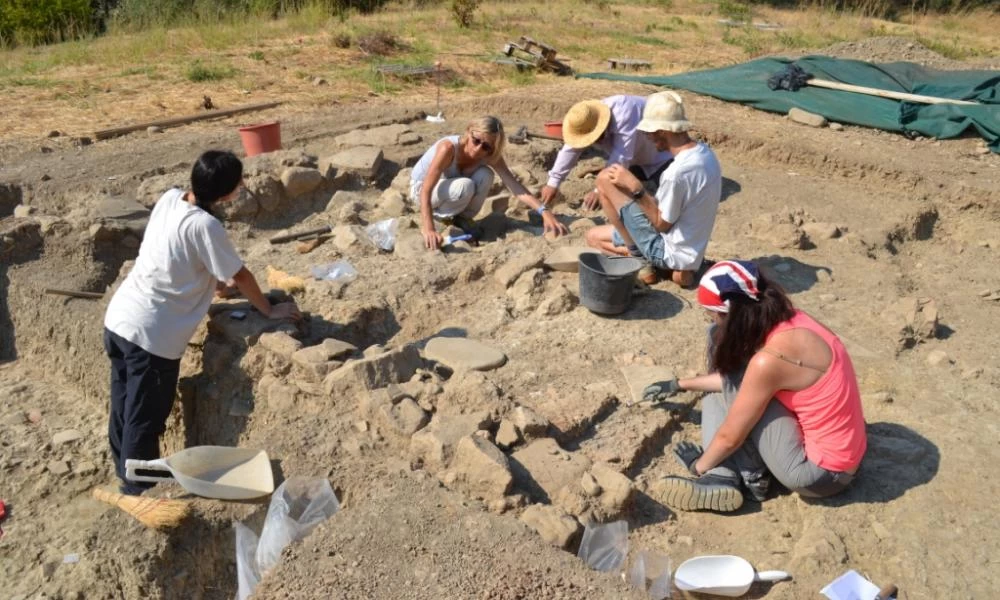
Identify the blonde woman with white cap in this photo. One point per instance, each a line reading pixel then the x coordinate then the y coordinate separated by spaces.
pixel 670 230
pixel 454 176
pixel 609 125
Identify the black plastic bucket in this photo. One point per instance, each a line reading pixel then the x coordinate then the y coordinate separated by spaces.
pixel 606 283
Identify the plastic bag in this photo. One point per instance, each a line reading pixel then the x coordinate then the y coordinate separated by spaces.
pixel 604 547
pixel 247 575
pixel 337 271
pixel 383 233
pixel 652 569
pixel 297 507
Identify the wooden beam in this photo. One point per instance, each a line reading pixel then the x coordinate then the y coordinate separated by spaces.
pixel 164 123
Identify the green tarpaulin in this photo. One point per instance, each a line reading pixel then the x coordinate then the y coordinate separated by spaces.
pixel 747 83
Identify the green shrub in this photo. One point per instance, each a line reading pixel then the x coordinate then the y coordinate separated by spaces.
pixel 199 72
pixel 464 11
pixel 736 11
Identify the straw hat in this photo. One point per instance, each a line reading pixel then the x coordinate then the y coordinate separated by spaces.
pixel 585 122
pixel 664 112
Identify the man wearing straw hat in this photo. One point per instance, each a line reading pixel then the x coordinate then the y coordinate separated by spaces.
pixel 670 229
pixel 610 125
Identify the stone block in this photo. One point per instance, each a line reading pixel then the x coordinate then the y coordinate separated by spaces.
pixel 518 264
pixel 327 350
pixel 529 423
pixel 66 436
pixel 617 490
pixel 394 366
pixel 435 444
pixel 507 435
pixel 401 182
pixel 527 290
pixel 479 469
pixel 557 301
pixel 404 417
pixel 350 237
pixel 552 525
pixel 281 397
pixel 298 181
pixel 806 118
pixel 392 203
pixel 280 343
pixel 542 468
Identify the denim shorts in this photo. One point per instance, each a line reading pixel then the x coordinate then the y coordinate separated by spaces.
pixel 646 237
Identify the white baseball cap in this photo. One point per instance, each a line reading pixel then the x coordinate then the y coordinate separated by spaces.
pixel 664 112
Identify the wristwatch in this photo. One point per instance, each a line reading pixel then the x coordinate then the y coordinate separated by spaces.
pixel 639 193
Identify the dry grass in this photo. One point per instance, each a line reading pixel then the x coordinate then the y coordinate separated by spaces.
pixel 80 87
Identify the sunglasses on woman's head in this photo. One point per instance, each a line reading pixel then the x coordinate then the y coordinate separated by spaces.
pixel 480 142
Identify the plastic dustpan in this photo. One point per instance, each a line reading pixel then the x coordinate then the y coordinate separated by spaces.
pixel 721 575
pixel 211 471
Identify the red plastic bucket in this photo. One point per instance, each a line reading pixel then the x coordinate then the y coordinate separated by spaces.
pixel 553 128
pixel 261 138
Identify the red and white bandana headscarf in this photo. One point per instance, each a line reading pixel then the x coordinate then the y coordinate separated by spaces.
pixel 724 279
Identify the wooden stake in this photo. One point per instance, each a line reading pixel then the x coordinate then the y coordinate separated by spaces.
pixel 75 293
pixel 164 123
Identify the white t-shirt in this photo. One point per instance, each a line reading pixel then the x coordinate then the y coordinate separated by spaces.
pixel 688 197
pixel 184 252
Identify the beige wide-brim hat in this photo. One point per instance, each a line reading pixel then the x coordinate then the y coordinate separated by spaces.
pixel 585 122
pixel 664 112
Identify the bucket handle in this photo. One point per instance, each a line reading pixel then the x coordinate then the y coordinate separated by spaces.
pixel 771 576
pixel 133 464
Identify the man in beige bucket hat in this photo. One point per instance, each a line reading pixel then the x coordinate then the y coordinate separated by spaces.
pixel 671 229
pixel 610 125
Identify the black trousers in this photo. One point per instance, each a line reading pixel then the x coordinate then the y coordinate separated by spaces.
pixel 143 387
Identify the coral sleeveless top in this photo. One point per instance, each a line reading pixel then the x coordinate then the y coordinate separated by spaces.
pixel 828 411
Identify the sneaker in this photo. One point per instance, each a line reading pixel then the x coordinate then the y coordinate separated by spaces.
pixel 708 492
pixel 757 483
pixel 468 226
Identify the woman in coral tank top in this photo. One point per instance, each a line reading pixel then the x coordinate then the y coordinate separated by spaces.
pixel 783 401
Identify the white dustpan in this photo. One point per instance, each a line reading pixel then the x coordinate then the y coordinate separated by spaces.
pixel 721 575
pixel 212 471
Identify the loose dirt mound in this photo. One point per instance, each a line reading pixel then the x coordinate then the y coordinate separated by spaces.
pixel 890 242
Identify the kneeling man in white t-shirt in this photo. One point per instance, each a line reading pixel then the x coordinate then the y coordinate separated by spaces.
pixel 670 230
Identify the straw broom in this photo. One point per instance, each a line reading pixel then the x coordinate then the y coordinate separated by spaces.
pixel 158 513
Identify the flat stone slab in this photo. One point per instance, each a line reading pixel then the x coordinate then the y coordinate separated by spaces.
pixel 637 377
pixel 567 258
pixel 463 353
pixel 363 160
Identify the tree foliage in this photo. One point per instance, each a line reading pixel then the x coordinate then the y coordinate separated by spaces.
pixel 44 21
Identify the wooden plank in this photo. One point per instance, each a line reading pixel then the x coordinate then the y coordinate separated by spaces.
pixel 173 122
